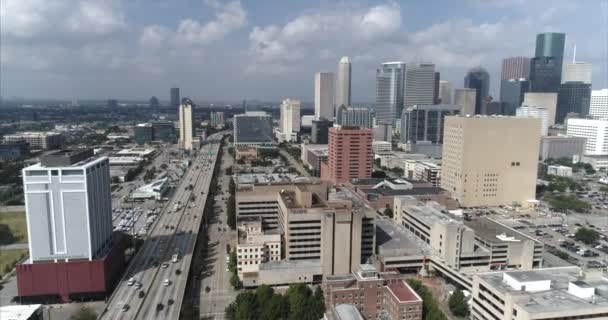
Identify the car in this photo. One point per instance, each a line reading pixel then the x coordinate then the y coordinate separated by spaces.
pixel 167 282
pixel 138 285
pixel 125 307
pixel 131 282
pixel 165 265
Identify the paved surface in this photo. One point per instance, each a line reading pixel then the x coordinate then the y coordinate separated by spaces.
pixel 294 163
pixel 174 232
pixel 15 246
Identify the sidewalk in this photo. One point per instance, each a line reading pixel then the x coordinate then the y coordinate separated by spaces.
pixel 15 246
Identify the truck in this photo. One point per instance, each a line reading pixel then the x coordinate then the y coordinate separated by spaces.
pixel 175 257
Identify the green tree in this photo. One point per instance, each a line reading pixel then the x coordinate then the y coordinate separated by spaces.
pixel 586 235
pixel 388 212
pixel 232 187
pixel 231 212
pixel 84 313
pixel 235 282
pixel 6 235
pixel 430 308
pixel 458 304
pixel 568 202
pixel 276 308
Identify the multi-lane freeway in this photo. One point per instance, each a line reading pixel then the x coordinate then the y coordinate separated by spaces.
pixel 154 283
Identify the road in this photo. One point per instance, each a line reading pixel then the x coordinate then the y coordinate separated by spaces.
pixel 174 232
pixel 294 163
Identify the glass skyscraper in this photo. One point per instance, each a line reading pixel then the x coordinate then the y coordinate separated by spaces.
pixel 425 123
pixel 390 81
pixel 551 44
pixel 512 94
pixel 545 74
pixel 479 79
pixel 572 97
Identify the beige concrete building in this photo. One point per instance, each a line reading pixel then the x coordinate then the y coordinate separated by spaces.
pixel 255 246
pixel 186 125
pixel 376 295
pixel 491 161
pixel 552 293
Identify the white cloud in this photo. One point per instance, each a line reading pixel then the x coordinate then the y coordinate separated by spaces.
pixel 153 36
pixel 228 17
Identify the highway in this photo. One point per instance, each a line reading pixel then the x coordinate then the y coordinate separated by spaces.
pixel 162 281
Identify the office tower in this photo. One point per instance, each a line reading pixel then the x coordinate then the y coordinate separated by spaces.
pixel 561 146
pixel 465 99
pixel 493 108
pixel 573 97
pixel 324 95
pixel 252 128
pixel 545 74
pixel 112 103
pixel 186 124
pixel 479 79
pixel 216 119
pixel 154 102
pixel 143 133
pixel 515 68
pixel 535 112
pixel 424 123
pixel 577 72
pixel 490 161
pixel 598 106
pixel 244 105
pixel 547 100
pixel 445 92
pixel 174 97
pixel 419 85
pixel 383 132
pixel 164 131
pixel 512 94
pixel 343 82
pixel 319 132
pixel 551 44
pixel 355 117
pixel 390 90
pixel 350 155
pixel 289 124
pixel 436 97
pixel 69 214
pixel 596 132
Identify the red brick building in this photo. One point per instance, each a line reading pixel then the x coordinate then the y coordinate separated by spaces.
pixel 349 155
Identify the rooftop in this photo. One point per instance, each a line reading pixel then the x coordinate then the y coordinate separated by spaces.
pixel 18 312
pixel 491 230
pixel 385 191
pixel 402 291
pixel 394 240
pixel 344 312
pixel 263 178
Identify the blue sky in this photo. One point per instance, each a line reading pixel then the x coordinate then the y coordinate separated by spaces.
pixel 266 49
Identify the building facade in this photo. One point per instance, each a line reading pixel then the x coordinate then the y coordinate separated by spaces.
pixel 37 140
pixel 164 131
pixel 319 131
pixel 355 117
pixel 252 128
pixel 324 95
pixel 143 133
pixel 350 154
pixel 343 82
pixel 573 97
pixel 561 146
pixel 594 130
pixel 490 161
pixel 216 119
pixel 289 124
pixel 479 79
pixel 390 90
pixel 546 100
pixel 512 93
pixel 598 106
pixel 465 99
pixel 186 124
pixel 545 74
pixel 419 84
pixel 174 97
pixel 551 44
pixel 577 72
pixel 515 68
pixel 445 92
pixel 538 113
pixel 425 123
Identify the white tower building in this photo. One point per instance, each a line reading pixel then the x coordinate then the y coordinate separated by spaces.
pixel 343 83
pixel 324 95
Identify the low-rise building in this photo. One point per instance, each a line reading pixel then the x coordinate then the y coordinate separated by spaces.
pixel 255 246
pixel 14 150
pixel 143 133
pixel 313 155
pixel 561 146
pixel 598 162
pixel 426 171
pixel 561 171
pixel 381 146
pixel 155 190
pixel 245 152
pixel 37 140
pixel 136 152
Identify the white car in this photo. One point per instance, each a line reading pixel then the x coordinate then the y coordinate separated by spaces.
pixel 167 282
pixel 131 282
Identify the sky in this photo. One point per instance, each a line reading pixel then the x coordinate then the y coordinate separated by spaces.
pixel 218 50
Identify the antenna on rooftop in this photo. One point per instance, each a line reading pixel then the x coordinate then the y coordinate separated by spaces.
pixel 574 55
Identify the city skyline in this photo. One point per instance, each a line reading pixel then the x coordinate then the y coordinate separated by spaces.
pixel 234 50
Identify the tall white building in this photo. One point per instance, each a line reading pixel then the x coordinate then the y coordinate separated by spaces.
pixel 419 84
pixel 547 100
pixel 577 72
pixel 390 90
pixel 445 92
pixel 535 112
pixel 186 126
pixel 596 132
pixel 289 125
pixel 343 82
pixel 324 95
pixel 598 107
pixel 68 206
pixel 465 99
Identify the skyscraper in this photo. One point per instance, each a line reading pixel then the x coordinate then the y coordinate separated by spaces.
pixel 186 124
pixel 319 131
pixel 465 99
pixel 512 94
pixel 479 79
pixel 535 112
pixel 289 124
pixel 252 128
pixel 515 68
pixel 419 84
pixel 577 72
pixel 436 98
pixel 350 155
pixel 598 107
pixel 425 123
pixel 551 44
pixel 545 74
pixel 324 95
pixel 445 92
pixel 174 97
pixel 390 87
pixel 573 97
pixel 343 82
pixel 354 117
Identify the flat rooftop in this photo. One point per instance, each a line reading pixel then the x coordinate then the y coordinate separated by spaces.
pixel 375 181
pixel 403 292
pixel 269 178
pixel 384 191
pixel 394 240
pixel 489 229
pixel 557 299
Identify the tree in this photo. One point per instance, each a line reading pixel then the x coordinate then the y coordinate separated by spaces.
pixel 568 202
pixel 231 212
pixel 6 235
pixel 84 313
pixel 228 171
pixel 586 235
pixel 232 187
pixel 276 308
pixel 378 174
pixel 458 304
pixel 388 212
pixel 235 282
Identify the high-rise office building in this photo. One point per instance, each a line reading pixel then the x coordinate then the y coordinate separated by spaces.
pixel 445 92
pixel 596 132
pixel 324 95
pixel 252 128
pixel 69 213
pixel 573 97
pixel 350 155
pixel 419 84
pixel 164 131
pixel 551 44
pixel 319 131
pixel 515 68
pixel 355 117
pixel 436 98
pixel 174 101
pixel 289 124
pixel 512 94
pixel 535 112
pixel 577 72
pixel 490 161
pixel 154 102
pixel 478 78
pixel 186 124
pixel 143 133
pixel 545 74
pixel 547 100
pixel 424 123
pixel 465 99
pixel 390 89
pixel 216 119
pixel 112 103
pixel 343 82
pixel 598 107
